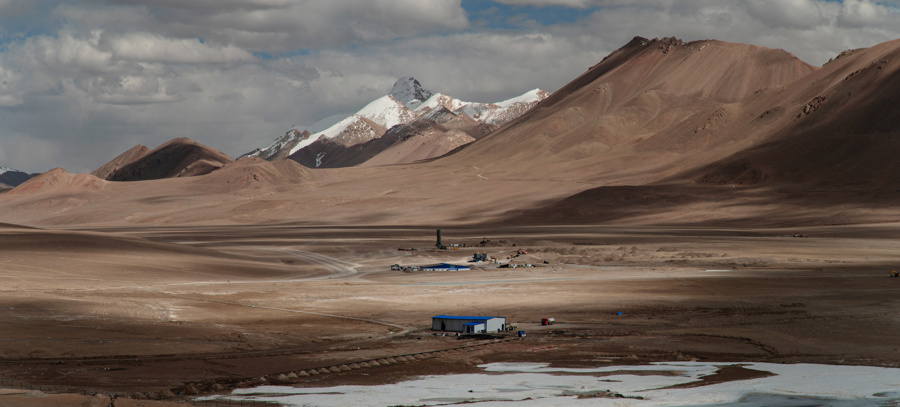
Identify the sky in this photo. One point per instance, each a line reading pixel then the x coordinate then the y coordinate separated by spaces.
pixel 83 80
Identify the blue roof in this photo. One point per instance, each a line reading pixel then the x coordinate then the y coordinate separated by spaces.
pixel 473 324
pixel 447 266
pixel 462 317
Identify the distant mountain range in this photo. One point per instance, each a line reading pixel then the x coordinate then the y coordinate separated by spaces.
pixel 10 178
pixel 409 124
pixel 659 132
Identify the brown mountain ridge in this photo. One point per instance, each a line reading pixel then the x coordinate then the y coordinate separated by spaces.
pixel 660 131
pixel 180 157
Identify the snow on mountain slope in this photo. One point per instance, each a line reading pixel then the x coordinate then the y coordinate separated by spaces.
pixel 492 114
pixel 407 102
pixel 281 147
pixel 500 113
pixel 534 95
pixel 387 112
pixel 353 130
pixel 440 99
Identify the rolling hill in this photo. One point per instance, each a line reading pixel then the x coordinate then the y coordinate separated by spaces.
pixel 180 157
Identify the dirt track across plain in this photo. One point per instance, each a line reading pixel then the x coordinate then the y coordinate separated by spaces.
pixel 200 305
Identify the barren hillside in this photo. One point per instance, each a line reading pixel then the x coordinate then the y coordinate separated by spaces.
pixel 180 157
pixel 659 132
pixel 111 168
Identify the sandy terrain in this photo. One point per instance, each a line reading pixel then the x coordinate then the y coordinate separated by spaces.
pixel 155 310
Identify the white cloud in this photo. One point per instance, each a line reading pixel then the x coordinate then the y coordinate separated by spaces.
pixel 66 53
pixel 10 93
pixel 104 75
pixel 799 14
pixel 155 48
pixel 278 26
pixel 865 13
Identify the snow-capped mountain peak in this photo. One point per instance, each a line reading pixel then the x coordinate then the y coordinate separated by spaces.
pixel 407 108
pixel 410 92
pixel 387 111
pixel 5 169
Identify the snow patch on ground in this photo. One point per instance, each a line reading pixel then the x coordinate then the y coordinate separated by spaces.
pixel 538 384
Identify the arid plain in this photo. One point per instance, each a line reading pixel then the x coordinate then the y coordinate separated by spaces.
pixel 146 312
pixel 679 201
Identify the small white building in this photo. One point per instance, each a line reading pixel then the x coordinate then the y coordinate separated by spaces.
pixel 474 328
pixel 467 324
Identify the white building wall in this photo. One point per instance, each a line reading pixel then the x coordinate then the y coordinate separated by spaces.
pixel 495 324
pixel 456 325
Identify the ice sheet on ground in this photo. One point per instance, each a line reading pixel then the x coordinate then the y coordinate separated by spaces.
pixel 539 384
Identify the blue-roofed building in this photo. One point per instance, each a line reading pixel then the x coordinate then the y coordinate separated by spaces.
pixel 445 267
pixel 468 324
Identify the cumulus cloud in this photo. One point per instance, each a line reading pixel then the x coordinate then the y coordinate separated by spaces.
pixel 799 14
pixel 865 13
pixel 155 48
pixel 280 26
pixel 103 75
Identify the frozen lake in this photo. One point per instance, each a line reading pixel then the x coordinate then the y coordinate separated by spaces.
pixel 538 384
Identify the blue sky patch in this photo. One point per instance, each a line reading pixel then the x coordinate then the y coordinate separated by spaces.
pixel 504 16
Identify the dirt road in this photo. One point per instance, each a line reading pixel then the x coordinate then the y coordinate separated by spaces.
pixel 245 302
